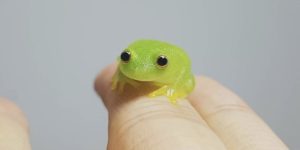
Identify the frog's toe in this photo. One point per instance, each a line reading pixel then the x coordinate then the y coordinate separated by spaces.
pixel 175 95
pixel 155 93
pixel 173 99
pixel 171 93
pixel 118 86
pixel 121 86
pixel 114 84
pixel 159 92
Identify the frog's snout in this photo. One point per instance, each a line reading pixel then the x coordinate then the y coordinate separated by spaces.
pixel 140 72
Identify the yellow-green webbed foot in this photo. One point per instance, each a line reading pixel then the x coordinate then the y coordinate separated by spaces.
pixel 172 92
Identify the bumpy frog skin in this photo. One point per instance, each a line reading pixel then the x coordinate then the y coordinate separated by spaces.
pixel 165 65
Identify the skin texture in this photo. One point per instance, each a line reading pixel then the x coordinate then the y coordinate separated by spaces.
pixel 173 80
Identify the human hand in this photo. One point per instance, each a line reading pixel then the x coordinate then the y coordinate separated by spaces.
pixel 212 118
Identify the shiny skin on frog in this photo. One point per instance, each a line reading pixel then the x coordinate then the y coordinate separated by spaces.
pixel 161 63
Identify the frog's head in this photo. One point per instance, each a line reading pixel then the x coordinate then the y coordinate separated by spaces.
pixel 147 60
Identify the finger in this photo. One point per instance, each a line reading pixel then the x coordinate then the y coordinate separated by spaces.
pixel 231 118
pixel 103 83
pixel 139 122
pixel 13 127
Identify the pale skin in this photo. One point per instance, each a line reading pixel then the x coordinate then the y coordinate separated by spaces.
pixel 212 117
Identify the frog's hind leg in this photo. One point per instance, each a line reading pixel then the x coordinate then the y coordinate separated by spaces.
pixel 161 91
pixel 170 92
pixel 176 90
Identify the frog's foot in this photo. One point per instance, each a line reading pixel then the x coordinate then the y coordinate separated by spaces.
pixel 119 86
pixel 114 84
pixel 172 93
pixel 115 81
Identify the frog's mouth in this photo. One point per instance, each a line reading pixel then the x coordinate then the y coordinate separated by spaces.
pixel 138 75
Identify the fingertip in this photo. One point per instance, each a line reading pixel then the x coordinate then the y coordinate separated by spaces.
pixel 9 108
pixel 103 80
pixel 13 127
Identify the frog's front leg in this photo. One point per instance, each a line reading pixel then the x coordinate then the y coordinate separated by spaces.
pixel 119 81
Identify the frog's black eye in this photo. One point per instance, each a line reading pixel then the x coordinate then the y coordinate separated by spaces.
pixel 162 61
pixel 125 56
